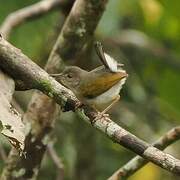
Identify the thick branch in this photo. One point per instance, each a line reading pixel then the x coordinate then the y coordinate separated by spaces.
pixel 19 66
pixel 138 162
pixel 41 111
pixel 33 11
pixel 78 29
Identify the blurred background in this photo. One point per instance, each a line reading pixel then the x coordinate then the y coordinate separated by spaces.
pixel 142 34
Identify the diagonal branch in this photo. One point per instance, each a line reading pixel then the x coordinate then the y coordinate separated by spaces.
pixel 41 111
pixel 29 72
pixel 77 31
pixel 30 12
pixel 138 162
pixel 57 161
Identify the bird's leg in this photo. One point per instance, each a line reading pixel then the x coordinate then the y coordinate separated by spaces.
pixel 111 105
pixel 103 114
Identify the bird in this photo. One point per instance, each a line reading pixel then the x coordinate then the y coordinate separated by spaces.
pixel 98 88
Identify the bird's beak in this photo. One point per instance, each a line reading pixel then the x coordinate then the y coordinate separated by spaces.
pixel 58 77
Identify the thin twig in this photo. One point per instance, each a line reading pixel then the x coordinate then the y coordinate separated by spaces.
pixel 3 153
pixel 138 162
pixel 57 161
pixel 16 18
pixel 32 75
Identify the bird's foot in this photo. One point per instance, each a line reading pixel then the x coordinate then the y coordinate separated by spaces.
pixel 101 115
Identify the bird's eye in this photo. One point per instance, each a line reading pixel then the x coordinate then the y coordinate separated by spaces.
pixel 69 76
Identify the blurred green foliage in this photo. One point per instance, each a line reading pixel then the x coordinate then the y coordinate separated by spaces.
pixel 31 37
pixel 150 101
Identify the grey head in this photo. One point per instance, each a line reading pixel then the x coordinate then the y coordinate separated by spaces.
pixel 71 77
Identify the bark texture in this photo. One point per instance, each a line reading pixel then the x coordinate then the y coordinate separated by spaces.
pixel 138 162
pixel 104 124
pixel 82 9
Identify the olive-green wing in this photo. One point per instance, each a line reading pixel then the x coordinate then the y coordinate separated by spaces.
pixel 98 83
